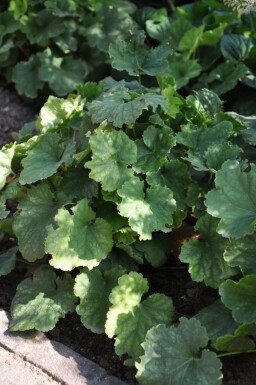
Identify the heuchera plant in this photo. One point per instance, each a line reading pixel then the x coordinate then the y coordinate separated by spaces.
pixel 49 46
pixel 94 190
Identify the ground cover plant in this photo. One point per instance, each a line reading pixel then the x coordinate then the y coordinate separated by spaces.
pixel 47 47
pixel 93 191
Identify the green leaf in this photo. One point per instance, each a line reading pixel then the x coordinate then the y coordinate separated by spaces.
pixel 11 192
pixel 135 58
pixel 146 212
pixel 37 211
pixel 218 321
pixel 8 25
pixel 205 101
pixel 232 200
pixel 62 8
pixel 108 211
pixel 112 152
pixel 40 302
pixel 57 113
pixel 240 298
pixel 44 159
pixel 173 356
pixel 41 26
pixel 201 138
pixel 18 7
pixel 225 76
pixel 182 70
pixel 205 255
pixel 90 90
pixel 174 175
pixel 212 37
pixel 6 156
pixel 158 26
pixel 153 148
pixel 133 326
pixel 79 239
pixel 217 154
pixel 26 77
pixel 79 177
pixel 118 106
pixel 156 250
pixel 7 260
pixel 124 298
pixel 242 253
pixel 168 90
pixel 191 40
pixel 62 74
pixel 236 47
pixel 93 288
pixel 5 51
pixel 109 24
pixel 239 342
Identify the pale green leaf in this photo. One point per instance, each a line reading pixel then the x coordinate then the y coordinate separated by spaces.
pixel 232 200
pixel 57 113
pixel 93 288
pixel 18 7
pixel 6 156
pixel 112 152
pixel 124 298
pixel 79 239
pixel 44 158
pixel 191 40
pixel 146 212
pixel 133 326
pixel 40 302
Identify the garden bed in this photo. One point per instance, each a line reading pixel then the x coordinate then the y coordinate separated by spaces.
pixel 173 280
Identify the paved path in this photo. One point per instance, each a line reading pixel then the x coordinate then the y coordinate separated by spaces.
pixel 32 359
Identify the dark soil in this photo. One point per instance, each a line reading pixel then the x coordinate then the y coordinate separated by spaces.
pixel 14 113
pixel 173 280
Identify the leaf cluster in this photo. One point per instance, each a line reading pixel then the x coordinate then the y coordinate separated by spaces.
pixel 93 191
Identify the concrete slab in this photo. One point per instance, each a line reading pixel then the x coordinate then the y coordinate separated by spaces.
pixel 31 355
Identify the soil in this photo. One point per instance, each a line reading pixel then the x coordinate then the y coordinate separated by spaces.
pixel 173 280
pixel 14 113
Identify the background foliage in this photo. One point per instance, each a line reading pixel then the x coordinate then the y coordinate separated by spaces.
pixel 93 190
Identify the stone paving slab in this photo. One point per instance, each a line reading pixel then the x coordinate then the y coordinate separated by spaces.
pixel 31 355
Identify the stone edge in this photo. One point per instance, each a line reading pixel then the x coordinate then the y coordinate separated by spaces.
pixel 53 358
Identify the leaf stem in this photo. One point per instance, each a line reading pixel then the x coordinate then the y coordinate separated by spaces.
pixel 233 353
pixel 251 23
pixel 23 261
pixel 172 6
